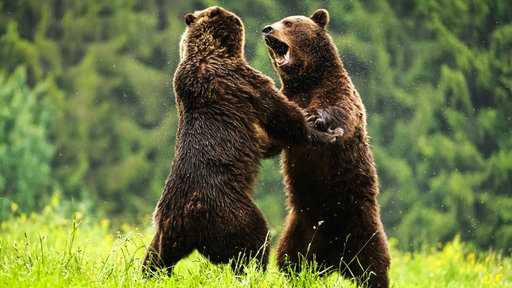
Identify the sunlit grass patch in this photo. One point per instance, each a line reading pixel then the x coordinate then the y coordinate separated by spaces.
pixel 451 265
pixel 52 250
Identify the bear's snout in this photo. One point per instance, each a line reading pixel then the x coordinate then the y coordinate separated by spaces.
pixel 268 29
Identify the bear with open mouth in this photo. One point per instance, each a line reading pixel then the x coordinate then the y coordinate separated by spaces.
pixel 334 216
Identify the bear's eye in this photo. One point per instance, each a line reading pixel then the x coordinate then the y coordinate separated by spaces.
pixel 288 24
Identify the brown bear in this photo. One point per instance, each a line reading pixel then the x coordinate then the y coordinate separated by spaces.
pixel 332 189
pixel 222 103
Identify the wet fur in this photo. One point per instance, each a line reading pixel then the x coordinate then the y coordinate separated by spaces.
pixel 332 190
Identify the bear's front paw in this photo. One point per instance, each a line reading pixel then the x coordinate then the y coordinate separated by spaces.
pixel 335 134
pixel 330 136
pixel 317 122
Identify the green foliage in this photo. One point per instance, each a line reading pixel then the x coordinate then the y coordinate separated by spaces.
pixel 108 65
pixel 429 83
pixel 435 78
pixel 26 118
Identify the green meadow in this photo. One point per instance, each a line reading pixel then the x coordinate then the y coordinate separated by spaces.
pixel 53 250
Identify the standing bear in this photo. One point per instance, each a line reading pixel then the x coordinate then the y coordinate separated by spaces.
pixel 223 104
pixel 332 189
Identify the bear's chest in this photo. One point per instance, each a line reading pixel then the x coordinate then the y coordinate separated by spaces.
pixel 308 162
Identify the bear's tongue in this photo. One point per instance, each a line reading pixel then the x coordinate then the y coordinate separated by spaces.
pixel 283 59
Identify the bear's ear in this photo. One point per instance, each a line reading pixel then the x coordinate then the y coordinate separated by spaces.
pixel 320 17
pixel 189 18
pixel 216 11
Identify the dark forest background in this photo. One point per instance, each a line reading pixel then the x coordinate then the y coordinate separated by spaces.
pixel 88 117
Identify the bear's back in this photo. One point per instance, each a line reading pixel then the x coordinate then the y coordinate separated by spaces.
pixel 217 141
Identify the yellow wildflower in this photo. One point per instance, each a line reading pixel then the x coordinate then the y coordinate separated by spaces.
pixel 14 207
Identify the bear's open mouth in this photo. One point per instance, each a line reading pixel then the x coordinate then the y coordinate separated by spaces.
pixel 281 50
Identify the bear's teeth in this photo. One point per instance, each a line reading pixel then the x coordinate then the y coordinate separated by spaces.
pixel 283 60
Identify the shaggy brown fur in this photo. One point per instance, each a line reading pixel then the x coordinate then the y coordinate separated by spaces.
pixel 222 104
pixel 332 190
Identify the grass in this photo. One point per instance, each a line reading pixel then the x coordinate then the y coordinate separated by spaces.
pixel 50 250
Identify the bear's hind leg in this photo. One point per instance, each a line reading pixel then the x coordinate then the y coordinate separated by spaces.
pixel 240 237
pixel 152 261
pixel 295 244
pixel 368 261
pixel 375 258
pixel 164 253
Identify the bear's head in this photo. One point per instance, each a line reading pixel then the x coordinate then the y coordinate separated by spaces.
pixel 297 43
pixel 212 31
